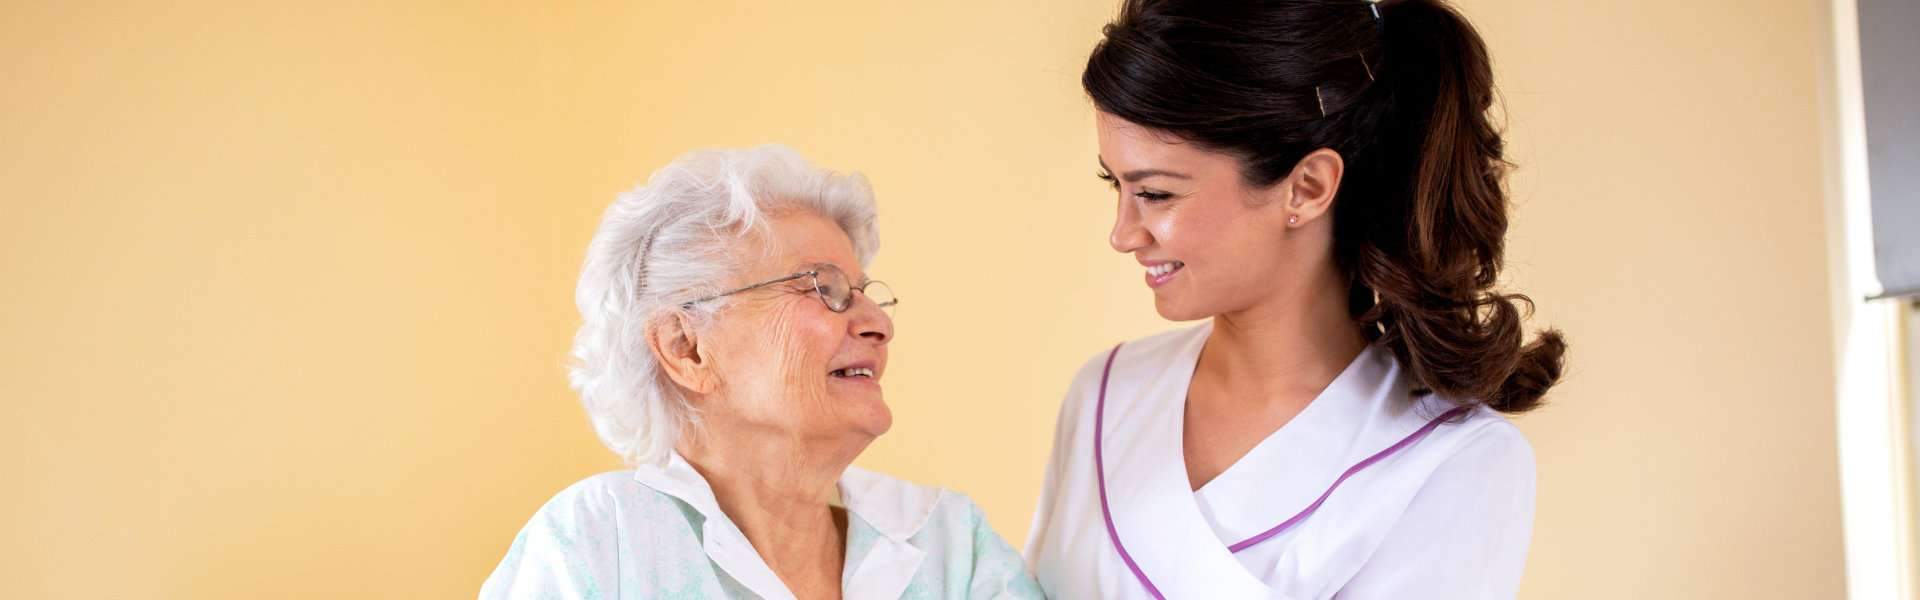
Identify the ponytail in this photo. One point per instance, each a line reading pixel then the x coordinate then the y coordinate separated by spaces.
pixel 1401 93
pixel 1433 274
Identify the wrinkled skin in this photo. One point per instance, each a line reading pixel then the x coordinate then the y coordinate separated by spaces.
pixel 772 352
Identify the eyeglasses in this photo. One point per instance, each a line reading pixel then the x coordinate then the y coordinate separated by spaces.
pixel 830 285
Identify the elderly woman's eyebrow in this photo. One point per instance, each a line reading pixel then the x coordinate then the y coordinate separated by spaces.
pixel 812 265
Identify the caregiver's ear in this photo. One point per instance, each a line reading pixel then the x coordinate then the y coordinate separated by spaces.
pixel 1308 191
pixel 675 342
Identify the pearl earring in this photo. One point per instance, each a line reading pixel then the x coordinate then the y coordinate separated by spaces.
pixel 1293 219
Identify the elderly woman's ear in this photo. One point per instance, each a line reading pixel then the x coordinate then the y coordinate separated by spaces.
pixel 676 342
pixel 743 417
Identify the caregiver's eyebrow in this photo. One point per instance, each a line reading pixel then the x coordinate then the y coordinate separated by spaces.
pixel 1136 175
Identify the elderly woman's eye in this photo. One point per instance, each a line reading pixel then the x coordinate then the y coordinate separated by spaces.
pixel 1153 195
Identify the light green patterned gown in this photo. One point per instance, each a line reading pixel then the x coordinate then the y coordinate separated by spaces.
pixel 656 532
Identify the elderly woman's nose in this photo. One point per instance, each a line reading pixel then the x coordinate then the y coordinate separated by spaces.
pixel 870 321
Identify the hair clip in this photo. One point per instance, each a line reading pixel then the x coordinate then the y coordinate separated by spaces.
pixel 1322 99
pixel 1375 6
pixel 1363 65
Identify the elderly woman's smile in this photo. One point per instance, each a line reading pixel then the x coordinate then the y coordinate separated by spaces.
pixel 786 361
pixel 732 348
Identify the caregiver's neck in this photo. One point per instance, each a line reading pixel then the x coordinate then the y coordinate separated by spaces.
pixel 1293 342
pixel 1261 367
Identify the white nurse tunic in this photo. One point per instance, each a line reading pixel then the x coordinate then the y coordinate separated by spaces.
pixel 1363 495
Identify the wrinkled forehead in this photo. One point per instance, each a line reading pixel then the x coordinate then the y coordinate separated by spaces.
pixel 794 241
pixel 827 269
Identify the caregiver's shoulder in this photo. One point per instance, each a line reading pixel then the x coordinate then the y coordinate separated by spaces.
pixel 1488 445
pixel 1158 344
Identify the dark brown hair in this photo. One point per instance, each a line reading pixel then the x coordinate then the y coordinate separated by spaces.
pixel 1402 95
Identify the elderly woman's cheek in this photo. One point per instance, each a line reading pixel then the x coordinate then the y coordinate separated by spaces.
pixel 796 352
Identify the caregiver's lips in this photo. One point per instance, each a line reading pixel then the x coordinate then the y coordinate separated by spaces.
pixel 1159 272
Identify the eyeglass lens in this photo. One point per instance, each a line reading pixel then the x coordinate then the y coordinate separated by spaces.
pixel 832 285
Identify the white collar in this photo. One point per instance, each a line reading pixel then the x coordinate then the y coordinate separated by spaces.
pixel 1153 506
pixel 893 507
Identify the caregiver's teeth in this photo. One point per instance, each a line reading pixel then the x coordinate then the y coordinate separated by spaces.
pixel 1163 268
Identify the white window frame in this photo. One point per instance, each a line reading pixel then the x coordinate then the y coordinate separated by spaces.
pixel 1869 343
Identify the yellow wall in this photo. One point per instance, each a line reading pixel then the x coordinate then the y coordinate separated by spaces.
pixel 285 292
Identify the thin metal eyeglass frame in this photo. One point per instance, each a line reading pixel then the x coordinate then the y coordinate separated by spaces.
pixel 816 290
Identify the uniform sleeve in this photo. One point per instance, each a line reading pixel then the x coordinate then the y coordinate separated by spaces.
pixel 1043 511
pixel 568 551
pixel 1062 423
pixel 1465 534
pixel 998 572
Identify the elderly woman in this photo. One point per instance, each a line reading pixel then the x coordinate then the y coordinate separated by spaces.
pixel 732 348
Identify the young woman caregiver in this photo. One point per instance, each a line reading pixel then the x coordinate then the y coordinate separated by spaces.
pixel 1319 179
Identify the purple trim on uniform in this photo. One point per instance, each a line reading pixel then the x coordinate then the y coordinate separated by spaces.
pixel 1409 440
pixel 1100 469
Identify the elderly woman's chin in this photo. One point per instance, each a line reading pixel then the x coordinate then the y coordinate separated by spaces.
pixel 865 409
pixel 850 409
pixel 732 348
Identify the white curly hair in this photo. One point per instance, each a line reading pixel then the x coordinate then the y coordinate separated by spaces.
pixel 666 242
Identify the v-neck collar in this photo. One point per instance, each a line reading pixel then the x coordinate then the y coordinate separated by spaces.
pixel 1148 495
pixel 1293 465
pixel 887 508
pixel 1172 532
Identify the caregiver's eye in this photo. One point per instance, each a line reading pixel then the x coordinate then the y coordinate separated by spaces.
pixel 1153 195
pixel 1107 177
